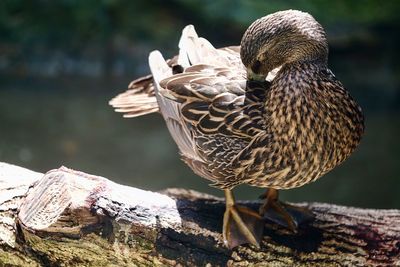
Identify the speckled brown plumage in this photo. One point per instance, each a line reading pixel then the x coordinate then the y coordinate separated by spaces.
pixel 282 133
pixel 307 132
pixel 268 113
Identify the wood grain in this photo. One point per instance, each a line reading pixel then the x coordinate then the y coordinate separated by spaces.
pixel 70 218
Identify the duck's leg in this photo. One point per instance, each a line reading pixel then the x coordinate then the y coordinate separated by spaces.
pixel 241 224
pixel 281 213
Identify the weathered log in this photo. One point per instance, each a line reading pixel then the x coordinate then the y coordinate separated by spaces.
pixel 69 218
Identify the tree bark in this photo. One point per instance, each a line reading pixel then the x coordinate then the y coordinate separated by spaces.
pixel 70 218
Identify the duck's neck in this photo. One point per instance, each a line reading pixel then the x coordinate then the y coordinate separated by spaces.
pixel 293 83
pixel 290 76
pixel 300 71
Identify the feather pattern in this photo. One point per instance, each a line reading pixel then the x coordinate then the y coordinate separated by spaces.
pixel 280 132
pixel 138 100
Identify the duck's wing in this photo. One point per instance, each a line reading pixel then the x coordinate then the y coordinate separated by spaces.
pixel 201 95
pixel 218 110
pixel 211 90
pixel 193 50
pixel 140 97
pixel 213 100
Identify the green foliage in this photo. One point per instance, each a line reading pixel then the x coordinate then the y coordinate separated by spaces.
pixel 64 22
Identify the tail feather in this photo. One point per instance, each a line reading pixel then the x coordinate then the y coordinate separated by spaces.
pixel 138 100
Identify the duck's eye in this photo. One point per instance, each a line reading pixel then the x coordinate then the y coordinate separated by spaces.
pixel 256 66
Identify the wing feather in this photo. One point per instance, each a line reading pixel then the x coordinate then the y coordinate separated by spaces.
pixel 202 95
pixel 169 109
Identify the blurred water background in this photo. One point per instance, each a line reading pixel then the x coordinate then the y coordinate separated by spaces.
pixel 61 61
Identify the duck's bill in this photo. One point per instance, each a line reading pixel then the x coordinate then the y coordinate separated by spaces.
pixel 260 77
pixel 251 76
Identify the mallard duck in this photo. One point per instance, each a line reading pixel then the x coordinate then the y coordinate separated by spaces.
pixel 268 113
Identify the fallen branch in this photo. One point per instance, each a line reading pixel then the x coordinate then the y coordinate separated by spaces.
pixel 70 218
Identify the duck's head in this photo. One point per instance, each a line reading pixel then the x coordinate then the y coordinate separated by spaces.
pixel 281 38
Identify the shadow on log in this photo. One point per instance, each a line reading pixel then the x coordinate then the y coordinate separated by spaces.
pixel 70 218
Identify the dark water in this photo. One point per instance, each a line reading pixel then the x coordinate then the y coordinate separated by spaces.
pixel 47 123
